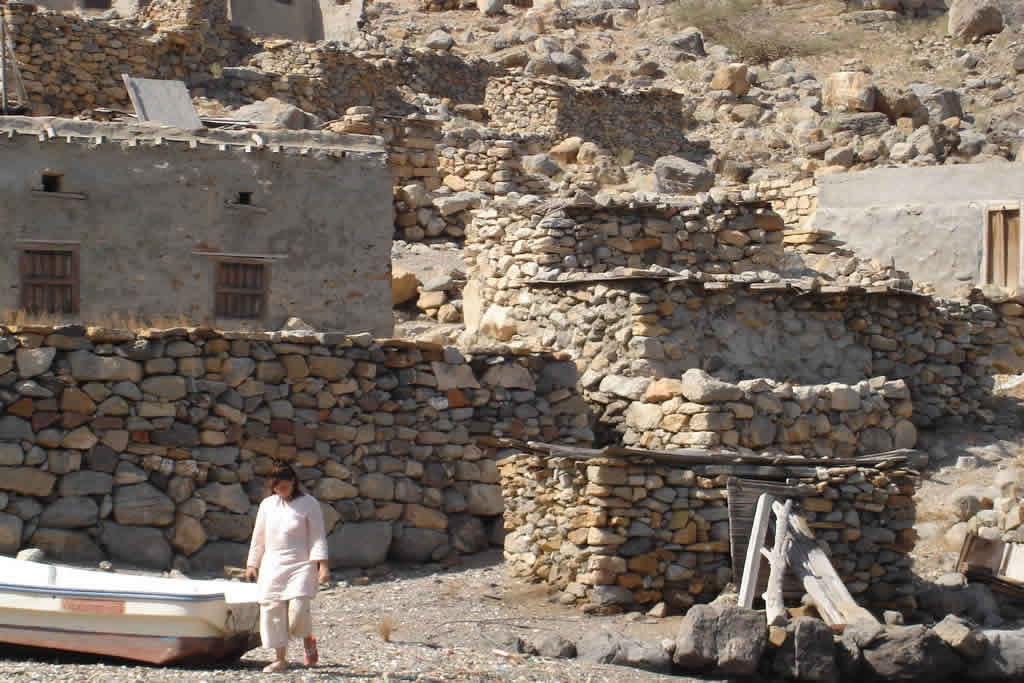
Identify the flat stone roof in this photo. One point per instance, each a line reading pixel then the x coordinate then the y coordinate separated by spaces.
pixel 304 142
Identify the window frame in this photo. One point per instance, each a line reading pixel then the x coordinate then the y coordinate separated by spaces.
pixel 986 247
pixel 264 291
pixel 75 279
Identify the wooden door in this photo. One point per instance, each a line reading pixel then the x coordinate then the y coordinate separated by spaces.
pixel 1003 257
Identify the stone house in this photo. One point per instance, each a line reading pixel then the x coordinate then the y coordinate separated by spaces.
pixel 125 8
pixel 305 20
pixel 957 227
pixel 227 228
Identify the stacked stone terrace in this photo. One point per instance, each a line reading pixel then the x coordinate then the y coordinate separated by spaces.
pixel 614 531
pixel 651 290
pixel 151 449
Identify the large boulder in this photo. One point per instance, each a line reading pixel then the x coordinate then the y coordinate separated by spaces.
pixel 275 114
pixel 731 77
pixel 972 19
pixel 439 39
pixel 729 640
pixel 676 175
pixel 142 505
pixel 10 533
pixel 849 91
pixel 690 42
pixel 70 513
pixel 808 654
pixel 903 653
pixel 67 546
pixel 1004 657
pixel 137 545
pixel 490 7
pixel 417 545
pixel 605 647
pixel 404 285
pixel 215 556
pixel 359 544
pixel 700 387
pixel 941 103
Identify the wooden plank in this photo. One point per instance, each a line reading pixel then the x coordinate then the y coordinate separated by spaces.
pixel 778 559
pixel 997 240
pixel 1013 250
pixel 744 495
pixel 831 597
pixel 752 564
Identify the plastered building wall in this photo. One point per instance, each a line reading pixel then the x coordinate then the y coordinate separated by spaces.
pixel 149 220
pixel 928 220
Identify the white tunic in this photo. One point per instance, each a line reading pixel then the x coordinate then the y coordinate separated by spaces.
pixel 287 543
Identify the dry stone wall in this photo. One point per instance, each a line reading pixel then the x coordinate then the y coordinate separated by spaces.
pixel 654 290
pixel 945 351
pixel 824 421
pixel 633 124
pixel 151 449
pixel 795 199
pixel 617 532
pixel 70 63
pixel 548 240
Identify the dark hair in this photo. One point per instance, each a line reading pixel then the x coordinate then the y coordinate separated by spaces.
pixel 283 472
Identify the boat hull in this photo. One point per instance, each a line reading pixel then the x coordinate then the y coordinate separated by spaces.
pixel 142 648
pixel 148 619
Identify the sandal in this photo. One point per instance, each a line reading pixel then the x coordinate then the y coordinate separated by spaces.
pixel 310 654
pixel 275 667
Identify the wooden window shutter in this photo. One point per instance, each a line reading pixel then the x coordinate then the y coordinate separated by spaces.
pixel 49 281
pixel 241 290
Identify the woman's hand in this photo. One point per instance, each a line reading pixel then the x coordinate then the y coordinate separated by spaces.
pixel 251 573
pixel 324 575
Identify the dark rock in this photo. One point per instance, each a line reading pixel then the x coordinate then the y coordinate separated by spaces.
pixel 416 545
pixel 730 638
pixel 809 651
pixel 600 647
pixel 676 175
pixel 605 647
pixel 468 533
pixel 213 557
pixel 177 434
pixel 904 653
pixel 941 103
pixel 137 545
pixel 67 546
pixel 1004 657
pixel 359 544
pixel 551 645
pixel 866 123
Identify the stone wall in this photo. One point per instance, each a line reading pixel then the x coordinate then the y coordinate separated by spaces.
pixel 151 449
pixel 652 290
pixel 824 421
pixel 945 351
pixel 70 64
pixel 633 124
pixel 622 532
pixel 512 241
pixel 795 199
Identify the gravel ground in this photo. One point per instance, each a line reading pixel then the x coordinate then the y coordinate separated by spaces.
pixel 446 624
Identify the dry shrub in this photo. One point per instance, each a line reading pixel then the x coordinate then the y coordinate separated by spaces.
pixel 385 627
pixel 757 35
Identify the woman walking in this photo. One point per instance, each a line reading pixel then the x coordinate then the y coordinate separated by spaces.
pixel 288 557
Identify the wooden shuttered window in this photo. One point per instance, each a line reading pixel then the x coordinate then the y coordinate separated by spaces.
pixel 241 290
pixel 49 281
pixel 1003 248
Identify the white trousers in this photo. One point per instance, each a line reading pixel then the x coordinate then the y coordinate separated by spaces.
pixel 283 618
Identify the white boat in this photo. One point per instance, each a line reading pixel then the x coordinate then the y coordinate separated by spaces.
pixel 149 619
